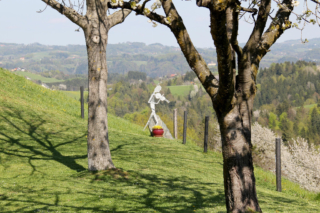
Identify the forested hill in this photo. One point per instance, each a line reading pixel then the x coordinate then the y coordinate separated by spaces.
pixel 297 83
pixel 154 59
pixel 288 100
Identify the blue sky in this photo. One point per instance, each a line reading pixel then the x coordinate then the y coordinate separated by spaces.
pixel 20 23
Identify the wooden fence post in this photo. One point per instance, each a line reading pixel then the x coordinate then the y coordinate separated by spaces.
pixel 278 164
pixel 185 128
pixel 82 102
pixel 205 146
pixel 175 124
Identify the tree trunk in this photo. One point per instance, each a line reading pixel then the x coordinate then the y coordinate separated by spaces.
pixel 99 156
pixel 239 180
pixel 96 25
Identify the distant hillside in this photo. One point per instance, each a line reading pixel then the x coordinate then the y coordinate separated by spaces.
pixel 293 50
pixel 297 83
pixel 154 59
pixel 288 100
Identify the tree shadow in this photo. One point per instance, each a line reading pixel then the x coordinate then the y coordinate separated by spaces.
pixel 156 193
pixel 25 136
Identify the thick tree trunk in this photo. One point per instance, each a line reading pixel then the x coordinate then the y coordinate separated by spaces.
pixel 239 180
pixel 96 25
pixel 99 156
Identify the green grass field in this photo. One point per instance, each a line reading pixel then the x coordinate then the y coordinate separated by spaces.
pixel 34 76
pixel 40 55
pixel 140 62
pixel 43 162
pixel 75 94
pixel 309 106
pixel 180 90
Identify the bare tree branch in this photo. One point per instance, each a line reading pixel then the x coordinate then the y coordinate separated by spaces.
pixel 315 1
pixel 40 11
pixel 68 12
pixel 204 3
pixel 250 10
pixel 224 57
pixel 118 17
pixel 260 24
pixel 194 59
pixel 139 11
pixel 232 28
pixel 275 30
pixel 144 4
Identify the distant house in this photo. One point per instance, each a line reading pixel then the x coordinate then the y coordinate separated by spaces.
pixel 45 86
pixel 22 59
pixel 23 69
pixel 62 87
pixel 173 75
pixel 212 64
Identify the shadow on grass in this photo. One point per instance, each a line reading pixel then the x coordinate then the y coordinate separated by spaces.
pixel 24 136
pixel 105 191
pixel 128 191
pixel 118 191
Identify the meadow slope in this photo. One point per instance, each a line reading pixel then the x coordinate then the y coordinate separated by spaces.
pixel 43 162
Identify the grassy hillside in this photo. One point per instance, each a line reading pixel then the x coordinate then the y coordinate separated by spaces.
pixel 34 76
pixel 75 94
pixel 43 163
pixel 183 90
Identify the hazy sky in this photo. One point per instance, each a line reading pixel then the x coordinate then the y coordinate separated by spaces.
pixel 20 23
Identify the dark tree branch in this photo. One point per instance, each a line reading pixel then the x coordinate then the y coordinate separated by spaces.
pixel 315 1
pixel 232 29
pixel 204 3
pixel 274 31
pixel 68 12
pixel 260 24
pixel 219 34
pixel 250 10
pixel 139 11
pixel 144 4
pixel 194 59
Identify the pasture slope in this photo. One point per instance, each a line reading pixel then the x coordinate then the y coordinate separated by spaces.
pixel 43 163
pixel 35 76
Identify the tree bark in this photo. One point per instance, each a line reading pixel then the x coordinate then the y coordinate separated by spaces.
pixel 99 156
pixel 238 171
pixel 96 25
pixel 233 107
